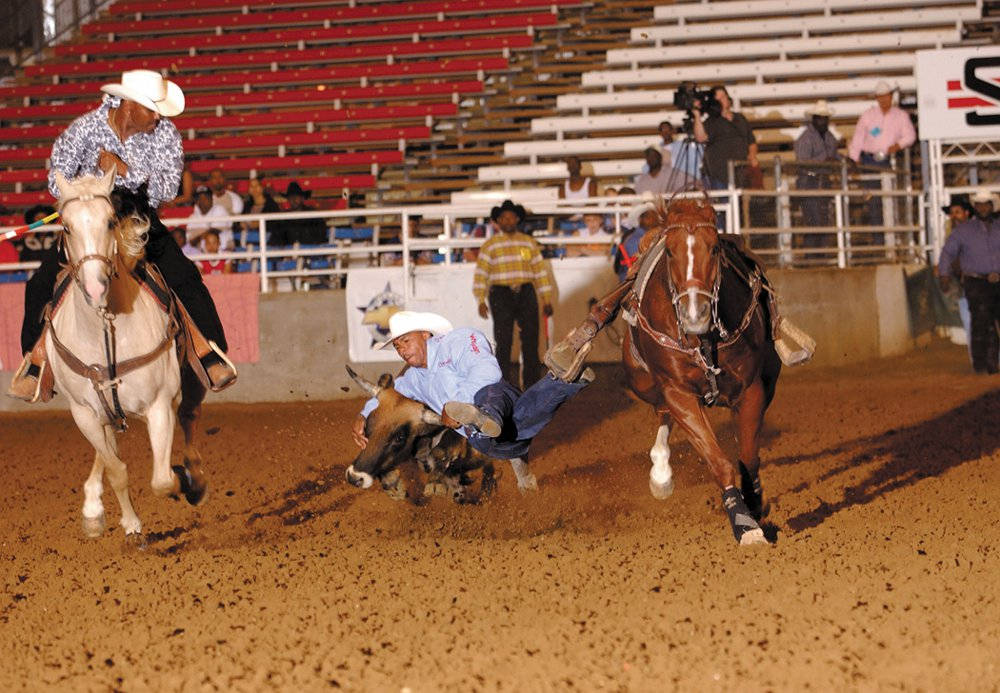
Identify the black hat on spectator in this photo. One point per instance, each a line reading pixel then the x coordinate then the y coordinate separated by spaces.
pixel 961 199
pixel 295 189
pixel 508 206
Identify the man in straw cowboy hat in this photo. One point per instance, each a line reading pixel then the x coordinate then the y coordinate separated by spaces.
pixel 129 135
pixel 509 280
pixel 974 246
pixel 454 372
pixel 882 130
pixel 816 145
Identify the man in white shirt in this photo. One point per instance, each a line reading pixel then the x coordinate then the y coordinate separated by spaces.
pixel 202 216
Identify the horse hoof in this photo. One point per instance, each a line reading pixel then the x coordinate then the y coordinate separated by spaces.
pixel 661 491
pixel 93 527
pixel 527 484
pixel 192 486
pixel 136 541
pixel 753 536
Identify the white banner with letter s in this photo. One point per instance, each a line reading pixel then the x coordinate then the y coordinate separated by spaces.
pixel 958 93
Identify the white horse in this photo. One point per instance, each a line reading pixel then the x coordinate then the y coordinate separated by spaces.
pixel 112 351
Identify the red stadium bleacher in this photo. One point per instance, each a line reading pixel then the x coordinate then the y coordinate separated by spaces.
pixel 352 137
pixel 309 161
pixel 264 58
pixel 213 23
pixel 318 94
pixel 275 119
pixel 363 13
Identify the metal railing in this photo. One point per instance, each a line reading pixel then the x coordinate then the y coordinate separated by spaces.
pixel 843 245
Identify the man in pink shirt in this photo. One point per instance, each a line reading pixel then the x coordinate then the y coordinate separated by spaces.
pixel 881 131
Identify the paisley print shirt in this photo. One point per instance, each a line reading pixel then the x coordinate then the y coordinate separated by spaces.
pixel 156 158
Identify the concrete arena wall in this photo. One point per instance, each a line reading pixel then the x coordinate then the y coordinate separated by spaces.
pixel 853 314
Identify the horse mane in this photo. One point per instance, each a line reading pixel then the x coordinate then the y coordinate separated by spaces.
pixel 130 230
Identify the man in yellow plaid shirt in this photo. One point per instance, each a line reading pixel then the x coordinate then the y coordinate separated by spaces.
pixel 509 272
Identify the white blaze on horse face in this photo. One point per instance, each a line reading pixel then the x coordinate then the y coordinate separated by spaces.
pixel 690 253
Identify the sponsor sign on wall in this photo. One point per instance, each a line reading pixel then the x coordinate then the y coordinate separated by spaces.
pixel 958 93
pixel 375 294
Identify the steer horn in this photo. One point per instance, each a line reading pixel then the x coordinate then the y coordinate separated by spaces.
pixel 370 389
pixel 429 416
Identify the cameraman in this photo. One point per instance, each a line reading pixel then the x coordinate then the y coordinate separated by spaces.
pixel 727 137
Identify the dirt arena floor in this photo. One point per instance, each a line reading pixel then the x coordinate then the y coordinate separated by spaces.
pixel 884 574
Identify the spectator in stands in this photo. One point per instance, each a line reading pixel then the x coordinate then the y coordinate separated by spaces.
pixel 511 275
pixel 641 219
pixel 286 232
pixel 258 201
pixel 626 191
pixel 204 217
pixel 593 229
pixel 180 238
pixel 128 136
pixel 657 180
pixel 577 186
pixel 683 155
pixel 974 246
pixel 816 145
pixel 882 130
pixel 211 245
pixel 35 246
pixel 222 195
pixel 727 136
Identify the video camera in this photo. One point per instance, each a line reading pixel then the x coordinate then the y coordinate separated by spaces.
pixel 688 96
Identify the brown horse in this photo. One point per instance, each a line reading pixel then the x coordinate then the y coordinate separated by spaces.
pixel 701 336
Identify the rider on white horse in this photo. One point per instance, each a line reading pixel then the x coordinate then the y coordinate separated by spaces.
pixel 129 134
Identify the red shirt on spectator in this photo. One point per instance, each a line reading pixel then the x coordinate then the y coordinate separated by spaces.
pixel 8 253
pixel 212 267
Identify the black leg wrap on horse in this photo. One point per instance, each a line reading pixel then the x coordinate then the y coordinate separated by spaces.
pixel 753 492
pixel 742 522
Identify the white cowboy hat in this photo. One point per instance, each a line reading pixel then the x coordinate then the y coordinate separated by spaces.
pixel 406 321
pixel 883 88
pixel 983 195
pixel 647 203
pixel 820 108
pixel 149 89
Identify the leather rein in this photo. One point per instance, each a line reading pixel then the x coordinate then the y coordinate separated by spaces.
pixel 105 378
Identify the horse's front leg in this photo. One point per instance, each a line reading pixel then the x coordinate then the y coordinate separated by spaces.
pixel 749 421
pixel 661 477
pixel 687 410
pixel 105 459
pixel 191 475
pixel 160 421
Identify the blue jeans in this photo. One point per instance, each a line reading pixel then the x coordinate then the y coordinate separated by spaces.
pixel 522 415
pixel 873 208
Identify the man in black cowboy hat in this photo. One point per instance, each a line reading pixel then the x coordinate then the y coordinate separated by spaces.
pixel 128 134
pixel 288 231
pixel 510 277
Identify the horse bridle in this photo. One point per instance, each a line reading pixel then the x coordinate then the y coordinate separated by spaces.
pixel 74 267
pixel 698 286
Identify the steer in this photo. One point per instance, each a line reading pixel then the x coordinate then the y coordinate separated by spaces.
pixel 400 430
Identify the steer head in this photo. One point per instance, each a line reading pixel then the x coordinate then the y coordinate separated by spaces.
pixel 392 431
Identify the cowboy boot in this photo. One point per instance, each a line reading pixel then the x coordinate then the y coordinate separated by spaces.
pixel 207 360
pixel 27 381
pixel 566 358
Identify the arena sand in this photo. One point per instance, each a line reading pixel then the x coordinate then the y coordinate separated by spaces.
pixel 884 574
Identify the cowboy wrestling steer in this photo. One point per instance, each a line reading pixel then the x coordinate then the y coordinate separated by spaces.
pixel 401 429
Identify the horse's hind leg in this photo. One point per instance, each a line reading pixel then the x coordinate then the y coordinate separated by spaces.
pixel 661 477
pixel 160 423
pixel 191 475
pixel 749 419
